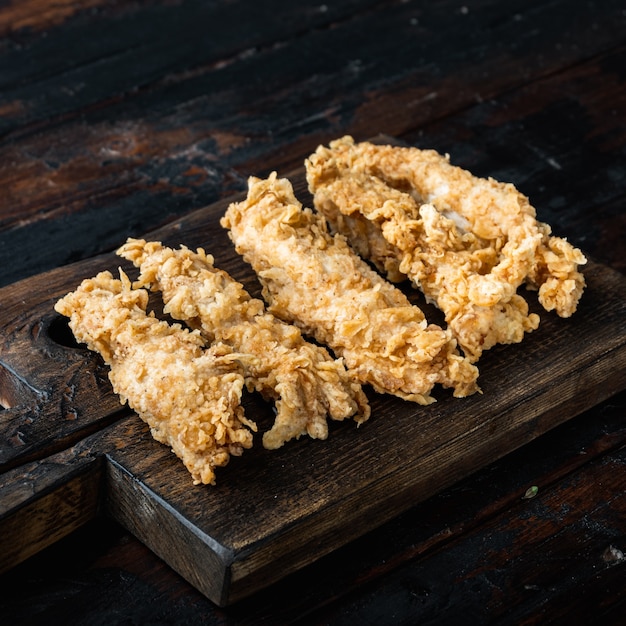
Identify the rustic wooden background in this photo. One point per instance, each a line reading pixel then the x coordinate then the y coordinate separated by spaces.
pixel 120 116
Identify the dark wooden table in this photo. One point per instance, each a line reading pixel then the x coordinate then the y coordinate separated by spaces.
pixel 119 116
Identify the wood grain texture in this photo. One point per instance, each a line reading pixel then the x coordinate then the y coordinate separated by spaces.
pixel 118 117
pixel 99 134
pixel 552 524
pixel 44 501
pixel 276 512
pixel 404 567
pixel 52 392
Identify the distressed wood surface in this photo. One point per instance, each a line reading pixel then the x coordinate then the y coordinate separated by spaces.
pixel 274 512
pixel 120 117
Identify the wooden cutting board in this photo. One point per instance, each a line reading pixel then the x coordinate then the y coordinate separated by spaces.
pixel 69 451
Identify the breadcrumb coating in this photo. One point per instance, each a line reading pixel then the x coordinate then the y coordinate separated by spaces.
pixel 306 383
pixel 190 397
pixel 468 243
pixel 317 282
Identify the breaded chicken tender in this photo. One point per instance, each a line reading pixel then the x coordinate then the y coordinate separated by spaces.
pixel 306 383
pixel 317 282
pixel 190 397
pixel 468 243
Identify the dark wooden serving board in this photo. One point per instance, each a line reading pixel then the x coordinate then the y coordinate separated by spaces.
pixel 69 451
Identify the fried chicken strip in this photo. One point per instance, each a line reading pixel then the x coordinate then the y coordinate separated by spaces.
pixel 468 243
pixel 306 383
pixel 189 396
pixel 318 283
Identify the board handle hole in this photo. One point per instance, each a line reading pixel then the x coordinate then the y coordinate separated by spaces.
pixel 60 332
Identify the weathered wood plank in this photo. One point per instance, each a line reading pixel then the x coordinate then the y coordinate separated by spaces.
pixel 126 49
pixel 44 501
pixel 500 569
pixel 355 574
pixel 122 48
pixel 100 575
pixel 52 392
pixel 150 156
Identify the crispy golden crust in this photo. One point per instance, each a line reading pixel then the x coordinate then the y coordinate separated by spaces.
pixel 317 282
pixel 306 383
pixel 189 396
pixel 468 243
